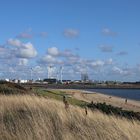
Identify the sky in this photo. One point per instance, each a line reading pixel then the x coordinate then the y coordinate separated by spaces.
pixel 97 37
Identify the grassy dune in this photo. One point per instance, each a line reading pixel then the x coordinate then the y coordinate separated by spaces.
pixel 7 88
pixel 24 117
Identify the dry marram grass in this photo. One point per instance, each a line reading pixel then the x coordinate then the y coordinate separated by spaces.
pixel 33 118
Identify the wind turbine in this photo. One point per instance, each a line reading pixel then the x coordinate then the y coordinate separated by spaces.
pixel 61 73
pixel 31 73
pixel 50 72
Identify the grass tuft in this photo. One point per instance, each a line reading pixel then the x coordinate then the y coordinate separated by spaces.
pixel 24 117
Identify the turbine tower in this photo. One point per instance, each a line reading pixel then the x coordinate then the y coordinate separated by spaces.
pixel 31 73
pixel 50 70
pixel 61 73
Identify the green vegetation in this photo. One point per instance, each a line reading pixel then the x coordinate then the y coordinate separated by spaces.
pixel 25 117
pixel 30 117
pixel 8 88
pixel 109 109
pixel 58 95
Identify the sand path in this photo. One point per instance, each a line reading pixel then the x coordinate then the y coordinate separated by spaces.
pixel 101 98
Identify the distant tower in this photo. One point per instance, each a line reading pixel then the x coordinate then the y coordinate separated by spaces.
pixel 84 77
pixel 61 73
pixel 31 74
pixel 49 72
pixel 57 75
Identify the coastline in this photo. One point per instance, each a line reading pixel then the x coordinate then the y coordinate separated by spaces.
pixel 83 86
pixel 97 97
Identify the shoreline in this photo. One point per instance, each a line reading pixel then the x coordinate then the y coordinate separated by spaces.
pixel 97 97
pixel 82 86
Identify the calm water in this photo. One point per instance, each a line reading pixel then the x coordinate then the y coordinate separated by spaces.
pixel 124 93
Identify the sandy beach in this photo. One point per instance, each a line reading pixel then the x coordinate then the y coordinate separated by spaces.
pixel 101 98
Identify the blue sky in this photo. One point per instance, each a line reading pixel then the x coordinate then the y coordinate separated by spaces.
pixel 98 37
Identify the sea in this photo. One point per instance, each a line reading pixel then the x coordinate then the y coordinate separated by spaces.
pixel 133 94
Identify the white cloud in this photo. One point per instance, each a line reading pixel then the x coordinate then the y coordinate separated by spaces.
pixel 120 71
pixel 23 62
pixel 80 69
pixel 71 33
pixel 22 50
pixel 49 59
pixel 108 32
pixel 25 35
pixel 55 56
pixel 2 48
pixel 38 69
pixel 26 51
pixel 20 54
pixel 14 42
pixel 109 61
pixel 117 70
pixel 97 63
pixel 12 70
pixel 106 48
pixel 75 63
pixel 73 59
pixel 122 53
pixel 5 53
pixel 68 53
pixel 53 51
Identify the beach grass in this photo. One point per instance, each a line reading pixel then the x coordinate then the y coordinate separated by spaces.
pixel 58 95
pixel 24 117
